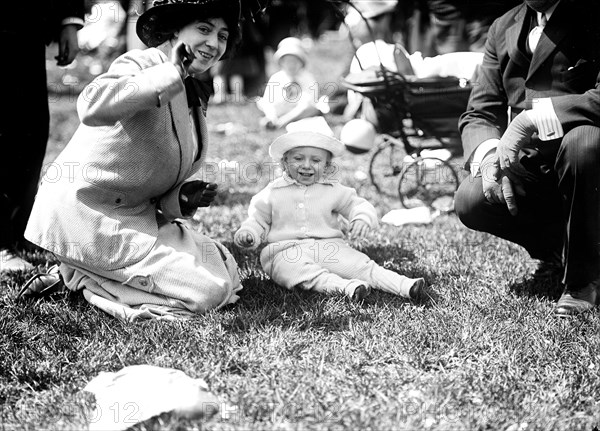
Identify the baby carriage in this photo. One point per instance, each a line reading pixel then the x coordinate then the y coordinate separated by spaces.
pixel 421 116
pixel 417 129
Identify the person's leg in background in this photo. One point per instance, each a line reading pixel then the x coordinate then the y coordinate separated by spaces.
pixel 448 26
pixel 23 138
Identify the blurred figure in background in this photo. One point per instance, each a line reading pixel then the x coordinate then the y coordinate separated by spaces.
pixel 292 93
pixel 370 21
pixel 284 18
pixel 243 75
pixel 370 24
pixel 462 25
pixel 105 34
pixel 25 121
pixel 378 50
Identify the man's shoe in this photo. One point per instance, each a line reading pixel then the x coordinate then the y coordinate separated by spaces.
pixel 10 262
pixel 42 284
pixel 577 301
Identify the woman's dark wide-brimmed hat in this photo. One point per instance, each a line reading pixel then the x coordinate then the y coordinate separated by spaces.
pixel 165 17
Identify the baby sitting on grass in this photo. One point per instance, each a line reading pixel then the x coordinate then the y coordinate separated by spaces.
pixel 297 216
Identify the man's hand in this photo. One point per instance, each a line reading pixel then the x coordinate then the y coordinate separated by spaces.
pixel 498 187
pixel 517 134
pixel 196 194
pixel 359 228
pixel 68 48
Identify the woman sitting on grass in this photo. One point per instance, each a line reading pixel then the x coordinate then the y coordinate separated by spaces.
pixel 128 175
pixel 297 216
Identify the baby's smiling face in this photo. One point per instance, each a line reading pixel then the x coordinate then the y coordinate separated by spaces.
pixel 306 165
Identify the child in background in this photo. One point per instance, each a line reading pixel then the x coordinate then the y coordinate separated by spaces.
pixel 297 216
pixel 292 93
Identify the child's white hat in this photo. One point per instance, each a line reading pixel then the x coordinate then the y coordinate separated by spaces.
pixel 291 140
pixel 290 46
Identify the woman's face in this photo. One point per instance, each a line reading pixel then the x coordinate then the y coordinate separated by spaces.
pixel 307 165
pixel 207 40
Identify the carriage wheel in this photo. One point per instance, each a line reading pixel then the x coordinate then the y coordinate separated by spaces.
pixel 385 167
pixel 428 182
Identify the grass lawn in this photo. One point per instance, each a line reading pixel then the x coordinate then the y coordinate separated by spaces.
pixel 484 352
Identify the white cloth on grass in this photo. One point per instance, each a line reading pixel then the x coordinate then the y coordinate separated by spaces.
pixel 138 392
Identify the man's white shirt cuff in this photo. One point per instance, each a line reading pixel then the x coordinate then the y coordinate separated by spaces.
pixel 73 21
pixel 482 150
pixel 544 117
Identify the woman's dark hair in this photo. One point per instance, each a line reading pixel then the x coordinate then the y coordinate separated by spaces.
pixel 160 26
pixel 169 26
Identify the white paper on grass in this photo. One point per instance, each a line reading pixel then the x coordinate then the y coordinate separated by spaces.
pixel 139 392
pixel 418 215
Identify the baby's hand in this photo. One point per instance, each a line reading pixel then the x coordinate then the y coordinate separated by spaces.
pixel 359 228
pixel 243 239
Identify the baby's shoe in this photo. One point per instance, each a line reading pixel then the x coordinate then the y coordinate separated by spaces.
pixel 417 289
pixel 361 292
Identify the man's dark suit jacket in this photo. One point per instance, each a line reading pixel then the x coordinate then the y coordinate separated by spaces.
pixel 565 67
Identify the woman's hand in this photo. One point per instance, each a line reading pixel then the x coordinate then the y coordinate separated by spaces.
pixel 243 239
pixel 182 57
pixel 196 194
pixel 359 228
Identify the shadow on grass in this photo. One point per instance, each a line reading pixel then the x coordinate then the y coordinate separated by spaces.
pixel 263 303
pixel 383 253
pixel 547 288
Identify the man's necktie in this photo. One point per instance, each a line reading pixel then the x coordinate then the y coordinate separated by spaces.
pixel 536 33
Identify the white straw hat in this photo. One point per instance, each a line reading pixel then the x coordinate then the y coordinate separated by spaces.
pixel 291 140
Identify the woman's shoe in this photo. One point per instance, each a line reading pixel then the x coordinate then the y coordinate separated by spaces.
pixel 42 284
pixel 577 301
pixel 361 292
